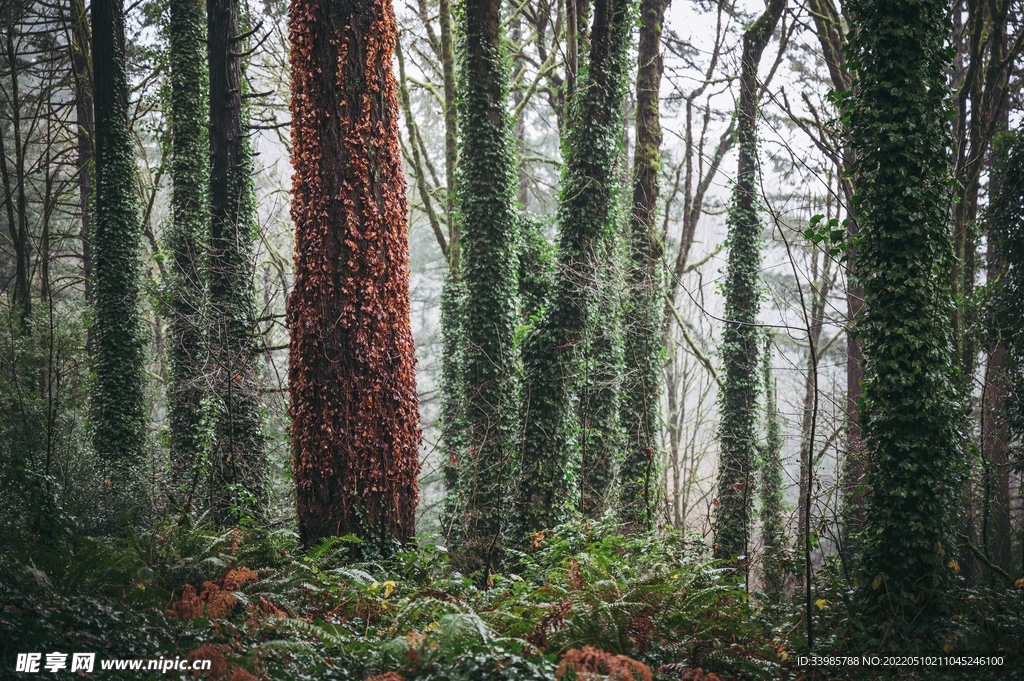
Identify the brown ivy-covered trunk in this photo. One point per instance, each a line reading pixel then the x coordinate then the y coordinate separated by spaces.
pixel 355 429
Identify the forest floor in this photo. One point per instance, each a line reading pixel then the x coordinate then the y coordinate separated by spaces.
pixel 585 603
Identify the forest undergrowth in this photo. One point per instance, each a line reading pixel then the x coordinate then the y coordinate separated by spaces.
pixel 586 602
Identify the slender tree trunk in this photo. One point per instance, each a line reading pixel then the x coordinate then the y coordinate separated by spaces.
pixel 118 393
pixel 452 294
pixel 773 529
pixel 740 339
pixel 187 239
pixel 816 318
pixel 14 187
pixel 486 182
pixel 995 451
pixel 239 457
pixel 588 221
pixel 355 432
pixel 643 317
pixel 451 121
pixel 86 130
pixel 829 28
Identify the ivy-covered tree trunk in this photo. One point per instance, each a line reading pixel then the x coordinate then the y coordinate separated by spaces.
pixel 485 193
pixel 737 434
pixel 602 364
pixel 452 427
pixel 355 432
pixel 187 241
pixel 452 292
pixel 81 67
pixel 119 424
pixel 239 465
pixel 644 312
pixel 588 218
pixel 912 413
pixel 773 527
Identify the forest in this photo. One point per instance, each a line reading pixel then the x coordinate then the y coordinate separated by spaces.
pixel 484 340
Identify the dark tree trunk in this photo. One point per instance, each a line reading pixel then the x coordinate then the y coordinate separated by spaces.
pixel 643 318
pixel 352 383
pixel 118 393
pixel 239 457
pixel 14 184
pixel 82 71
pixel 188 240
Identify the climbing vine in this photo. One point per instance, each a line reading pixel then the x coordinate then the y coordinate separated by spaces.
pixel 486 214
pixel 355 432
pixel 187 239
pixel 119 421
pixel 589 215
pixel 911 407
pixel 239 458
pixel 602 435
pixel 643 348
pixel 737 431
pixel 773 528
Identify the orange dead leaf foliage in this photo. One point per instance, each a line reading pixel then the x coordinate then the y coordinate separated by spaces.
pixel 215 600
pixel 591 664
pixel 234 579
pixel 386 676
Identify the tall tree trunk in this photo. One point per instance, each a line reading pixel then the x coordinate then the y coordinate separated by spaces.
pixel 643 317
pixel 118 393
pixel 452 294
pixel 737 435
pixel 829 27
pixel 1002 420
pixel 187 241
pixel 86 129
pixel 773 528
pixel 239 482
pixel 815 319
pixel 14 186
pixel 588 220
pixel 355 431
pixel 486 182
pixel 912 414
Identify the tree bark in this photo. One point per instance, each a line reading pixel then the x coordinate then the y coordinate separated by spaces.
pixel 118 393
pixel 740 339
pixel 239 457
pixel 643 318
pixel 188 239
pixel 486 182
pixel 352 383
pixel 82 71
